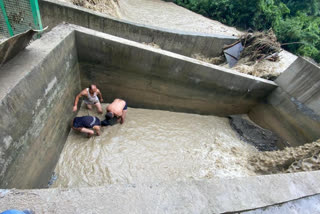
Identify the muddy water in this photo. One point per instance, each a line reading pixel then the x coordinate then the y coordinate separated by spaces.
pixel 291 159
pixel 154 146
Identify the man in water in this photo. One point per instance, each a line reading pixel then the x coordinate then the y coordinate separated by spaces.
pixel 91 95
pixel 85 124
pixel 117 111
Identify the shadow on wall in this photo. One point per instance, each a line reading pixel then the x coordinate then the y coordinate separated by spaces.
pixel 293 109
pixel 35 111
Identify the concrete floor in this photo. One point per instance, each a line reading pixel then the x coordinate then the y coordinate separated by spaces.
pixel 211 196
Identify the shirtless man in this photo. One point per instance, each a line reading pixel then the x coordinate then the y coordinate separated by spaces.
pixel 91 95
pixel 85 124
pixel 118 109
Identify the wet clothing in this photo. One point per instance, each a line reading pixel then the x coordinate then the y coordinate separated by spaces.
pixel 106 122
pixel 86 122
pixel 125 107
pixel 91 99
pixel 109 121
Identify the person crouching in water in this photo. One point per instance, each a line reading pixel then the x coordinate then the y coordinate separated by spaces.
pixel 116 111
pixel 87 124
pixel 92 96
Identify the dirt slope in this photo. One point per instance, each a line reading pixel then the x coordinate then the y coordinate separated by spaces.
pixel 157 13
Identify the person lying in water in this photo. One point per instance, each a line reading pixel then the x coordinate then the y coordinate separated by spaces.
pixel 116 111
pixel 90 95
pixel 88 124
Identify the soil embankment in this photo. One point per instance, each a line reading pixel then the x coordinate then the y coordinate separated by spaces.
pixel 109 7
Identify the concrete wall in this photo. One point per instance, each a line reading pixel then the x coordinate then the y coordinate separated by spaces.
pixel 293 109
pixel 37 91
pixel 185 43
pixel 147 77
pixel 40 83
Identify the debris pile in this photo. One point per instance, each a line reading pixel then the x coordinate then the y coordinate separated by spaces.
pixel 109 7
pixel 260 45
pixel 152 44
pixel 250 57
pixel 212 60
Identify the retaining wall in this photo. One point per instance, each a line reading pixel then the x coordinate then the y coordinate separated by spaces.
pixel 293 109
pixel 185 43
pixel 147 77
pixel 38 87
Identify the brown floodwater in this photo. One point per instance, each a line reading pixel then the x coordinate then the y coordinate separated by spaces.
pixel 291 159
pixel 154 146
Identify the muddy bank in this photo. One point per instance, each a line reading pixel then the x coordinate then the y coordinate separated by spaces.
pixel 262 139
pixel 109 7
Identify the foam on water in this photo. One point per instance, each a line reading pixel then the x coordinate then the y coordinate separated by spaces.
pixel 291 159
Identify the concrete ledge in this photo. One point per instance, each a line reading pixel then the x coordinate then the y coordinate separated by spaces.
pixel 185 43
pixel 210 196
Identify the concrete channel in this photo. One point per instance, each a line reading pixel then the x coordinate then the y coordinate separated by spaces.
pixel 184 43
pixel 40 83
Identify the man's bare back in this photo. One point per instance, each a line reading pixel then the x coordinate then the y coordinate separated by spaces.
pixel 118 108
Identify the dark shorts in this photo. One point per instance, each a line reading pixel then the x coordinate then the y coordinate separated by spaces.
pixel 86 122
pixel 125 107
pixel 110 121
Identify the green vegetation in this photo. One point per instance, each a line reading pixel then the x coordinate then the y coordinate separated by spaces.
pixel 295 22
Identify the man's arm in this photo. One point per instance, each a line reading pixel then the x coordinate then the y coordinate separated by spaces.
pixel 123 116
pixel 82 93
pixel 100 96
